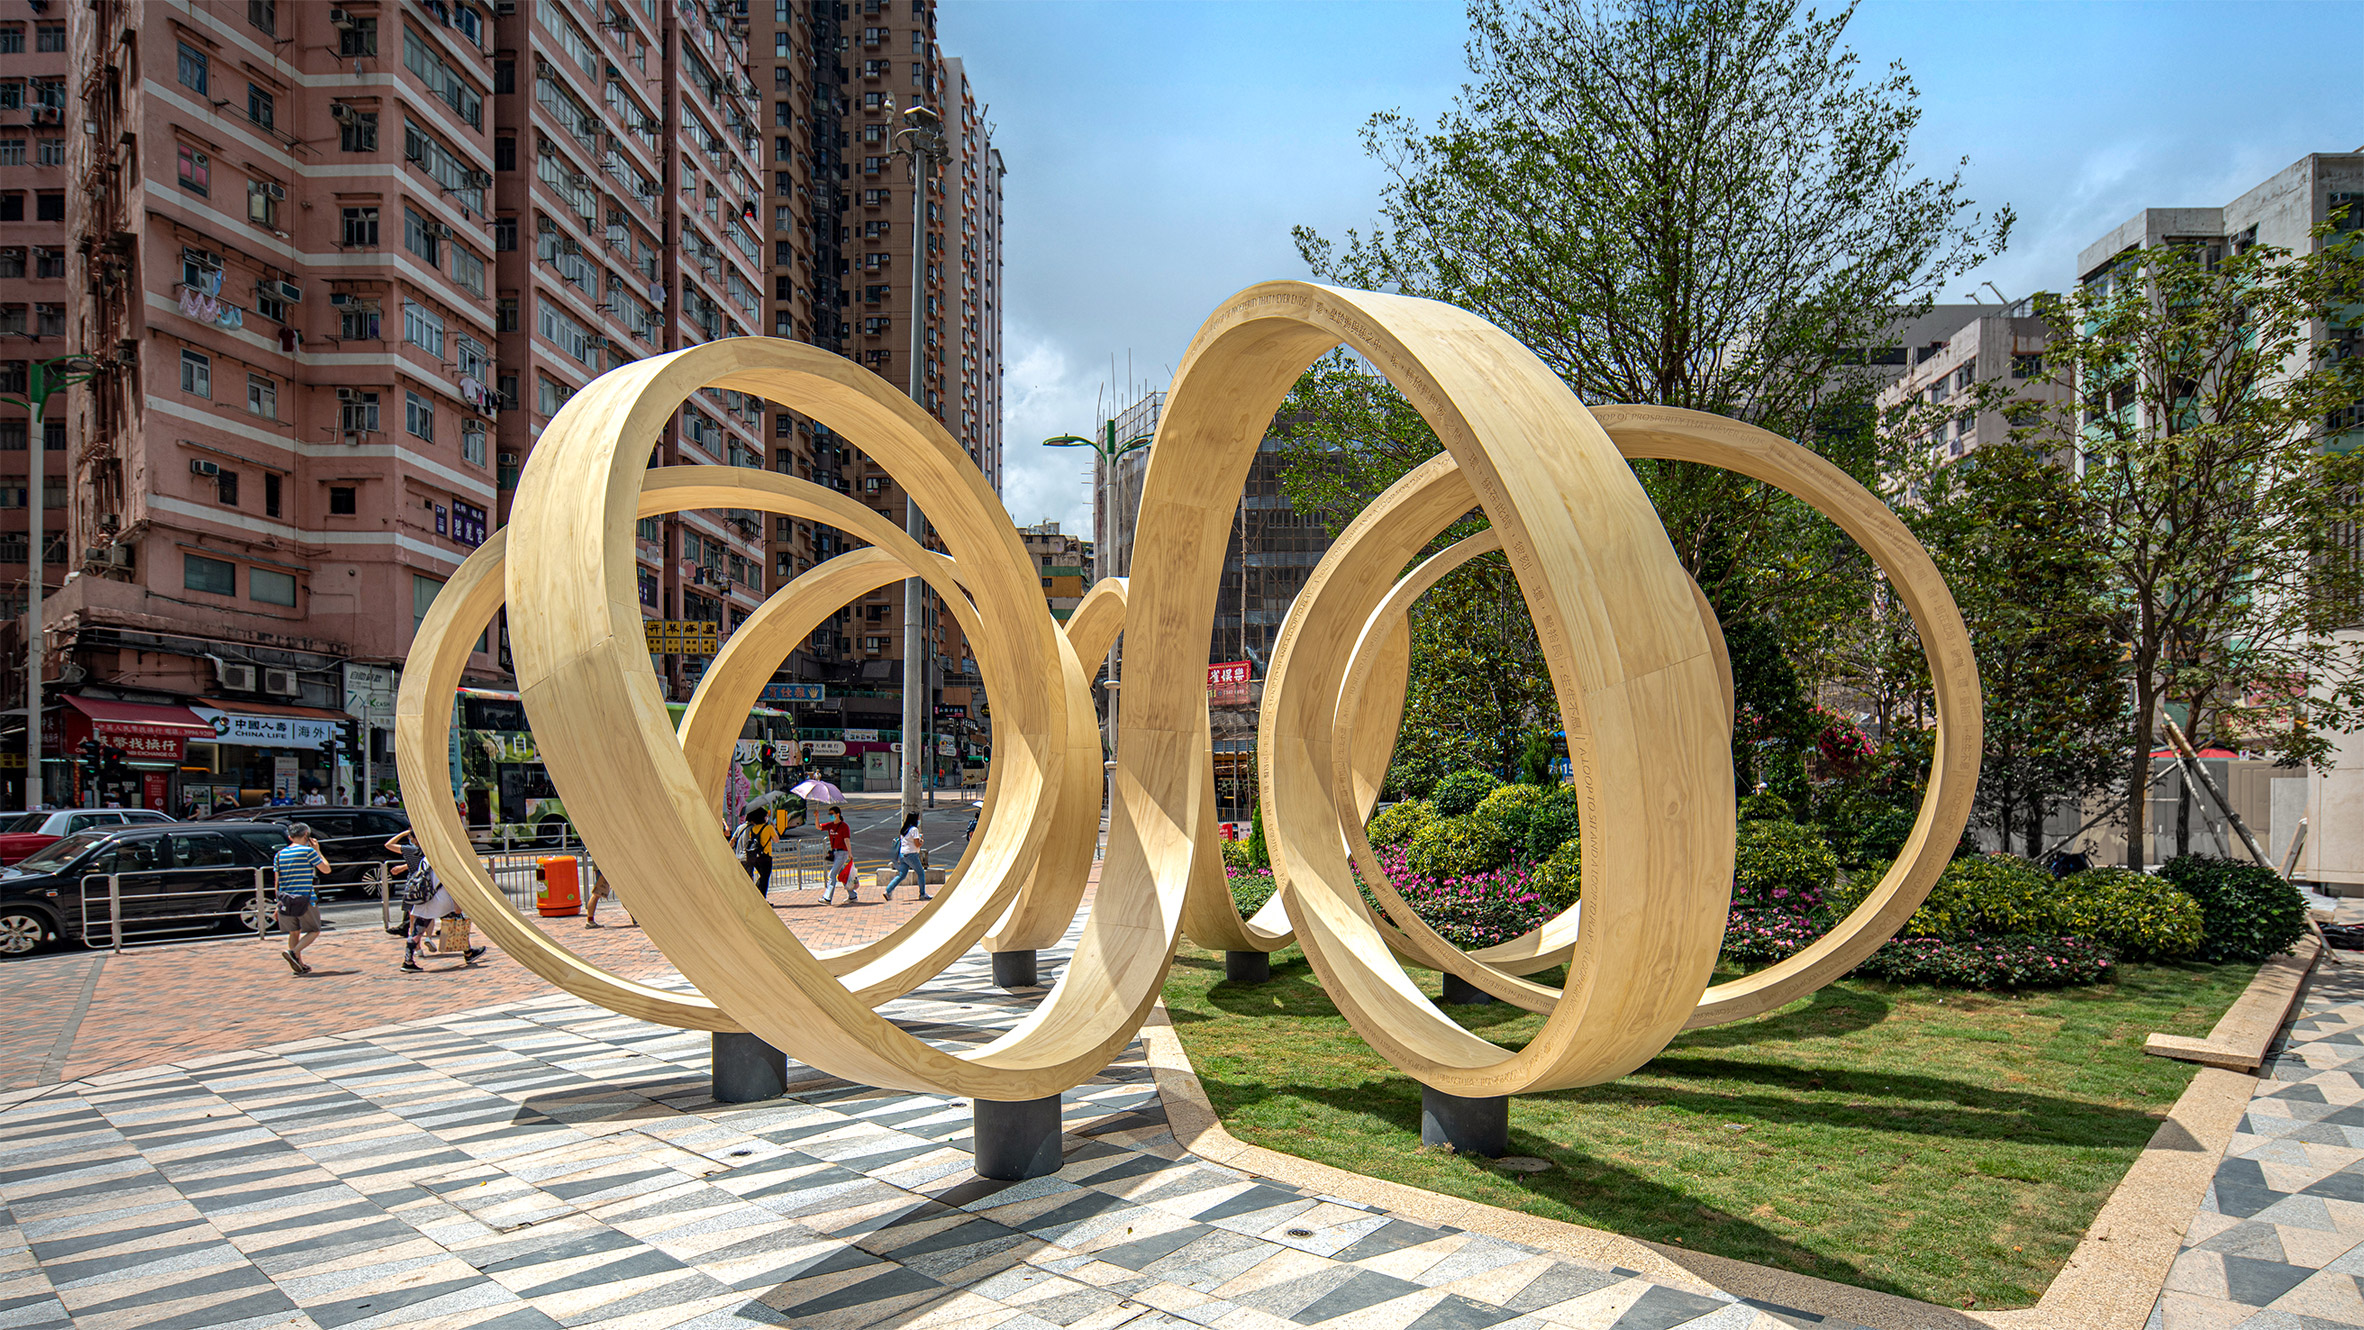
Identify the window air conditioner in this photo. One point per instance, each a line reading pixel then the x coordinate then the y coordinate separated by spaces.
pixel 285 292
pixel 348 394
pixel 205 467
pixel 342 114
pixel 281 682
pixel 340 298
pixel 237 678
pixel 340 19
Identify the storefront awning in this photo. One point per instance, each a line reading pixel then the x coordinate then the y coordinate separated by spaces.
pixel 108 715
pixel 145 732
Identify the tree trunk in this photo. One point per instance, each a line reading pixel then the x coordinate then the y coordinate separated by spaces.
pixel 2138 775
pixel 2035 825
pixel 2183 817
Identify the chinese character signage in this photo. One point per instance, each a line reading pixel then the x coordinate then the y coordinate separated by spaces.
pixel 686 637
pixel 794 692
pixel 947 712
pixel 1229 674
pixel 231 727
pixel 467 523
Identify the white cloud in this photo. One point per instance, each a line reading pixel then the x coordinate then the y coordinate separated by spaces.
pixel 1047 394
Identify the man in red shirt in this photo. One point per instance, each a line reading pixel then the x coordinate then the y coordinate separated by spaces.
pixel 841 856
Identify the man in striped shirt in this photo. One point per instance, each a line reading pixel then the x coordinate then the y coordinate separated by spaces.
pixel 298 867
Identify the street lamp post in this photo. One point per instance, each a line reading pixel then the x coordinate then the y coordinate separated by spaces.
pixel 45 378
pixel 1108 448
pixel 921 143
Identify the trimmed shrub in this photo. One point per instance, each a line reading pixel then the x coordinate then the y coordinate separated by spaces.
pixel 2248 912
pixel 1512 808
pixel 1990 962
pixel 1759 937
pixel 1250 888
pixel 1559 879
pixel 1452 847
pixel 1460 792
pixel 1259 854
pixel 1781 865
pixel 1395 824
pixel 1765 808
pixel 1554 822
pixel 1991 894
pixel 2135 914
pixel 1879 833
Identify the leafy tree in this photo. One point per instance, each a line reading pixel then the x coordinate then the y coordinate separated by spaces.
pixel 2000 525
pixel 2206 488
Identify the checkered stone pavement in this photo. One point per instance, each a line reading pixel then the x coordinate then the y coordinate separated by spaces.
pixel 548 1163
pixel 2276 1244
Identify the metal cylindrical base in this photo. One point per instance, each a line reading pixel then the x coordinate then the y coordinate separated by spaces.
pixel 1013 969
pixel 1017 1141
pixel 1247 967
pixel 747 1069
pixel 1459 992
pixel 1470 1126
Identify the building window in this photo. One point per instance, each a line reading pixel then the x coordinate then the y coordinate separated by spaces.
pixel 361 228
pixel 340 500
pixel 50 206
pixel 505 234
pixel 422 329
pixel 49 320
pixel 357 413
pixel 467 270
pixel 505 153
pixel 52 152
pixel 359 322
pixel 49 36
pixel 418 415
pixel 196 170
pixel 12 152
pixel 214 577
pixel 193 67
pixel 12 206
pixel 270 494
pixel 262 397
pixel 359 36
pixel 259 107
pixel 472 443
pixel 225 487
pixel 196 374
pixel 12 39
pixel 507 314
pixel 262 202
pixel 270 588
pixel 422 596
pixel 357 131
pixel 418 236
pixel 264 15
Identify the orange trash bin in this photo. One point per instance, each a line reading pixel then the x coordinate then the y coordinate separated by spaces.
pixel 558 885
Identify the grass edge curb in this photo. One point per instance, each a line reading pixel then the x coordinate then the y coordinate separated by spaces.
pixel 2110 1281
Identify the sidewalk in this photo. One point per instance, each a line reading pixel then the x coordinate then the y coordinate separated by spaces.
pixel 80 1013
pixel 547 1163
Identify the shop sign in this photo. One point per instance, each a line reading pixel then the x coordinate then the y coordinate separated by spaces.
pixel 685 637
pixel 369 694
pixel 861 736
pixel 951 713
pixel 234 727
pixel 794 692
pixel 824 748
pixel 1228 674
pixel 284 777
pixel 945 748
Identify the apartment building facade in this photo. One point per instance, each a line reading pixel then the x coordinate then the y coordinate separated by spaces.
pixel 335 268
pixel 1960 382
pixel 33 73
pixel 891 257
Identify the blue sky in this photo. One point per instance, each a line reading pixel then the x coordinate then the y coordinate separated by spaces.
pixel 1158 153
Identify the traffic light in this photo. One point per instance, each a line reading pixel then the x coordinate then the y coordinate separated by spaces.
pixel 86 771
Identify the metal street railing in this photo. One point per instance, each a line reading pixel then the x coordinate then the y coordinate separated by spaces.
pixel 169 910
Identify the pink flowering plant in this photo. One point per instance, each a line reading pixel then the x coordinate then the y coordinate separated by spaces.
pixel 1470 911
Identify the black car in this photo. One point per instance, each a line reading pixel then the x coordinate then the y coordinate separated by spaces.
pixel 354 839
pixel 180 877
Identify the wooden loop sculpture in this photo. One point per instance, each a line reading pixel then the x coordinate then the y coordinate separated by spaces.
pixel 1636 665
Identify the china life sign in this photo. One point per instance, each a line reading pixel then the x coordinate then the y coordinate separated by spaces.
pixel 234 727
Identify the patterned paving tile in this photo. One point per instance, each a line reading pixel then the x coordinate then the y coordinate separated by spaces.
pixel 548 1164
pixel 2275 1246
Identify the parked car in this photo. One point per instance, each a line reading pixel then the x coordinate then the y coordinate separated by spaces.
pixel 24 833
pixel 183 877
pixel 354 839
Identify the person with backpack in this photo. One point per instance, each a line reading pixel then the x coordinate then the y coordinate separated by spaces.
pixel 755 840
pixel 427 900
pixel 910 857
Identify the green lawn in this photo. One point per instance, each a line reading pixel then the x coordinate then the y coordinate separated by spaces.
pixel 1939 1145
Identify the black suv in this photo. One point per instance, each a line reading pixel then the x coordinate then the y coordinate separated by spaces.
pixel 180 877
pixel 354 839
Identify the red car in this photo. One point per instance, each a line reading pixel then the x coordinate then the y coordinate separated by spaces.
pixel 24 833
